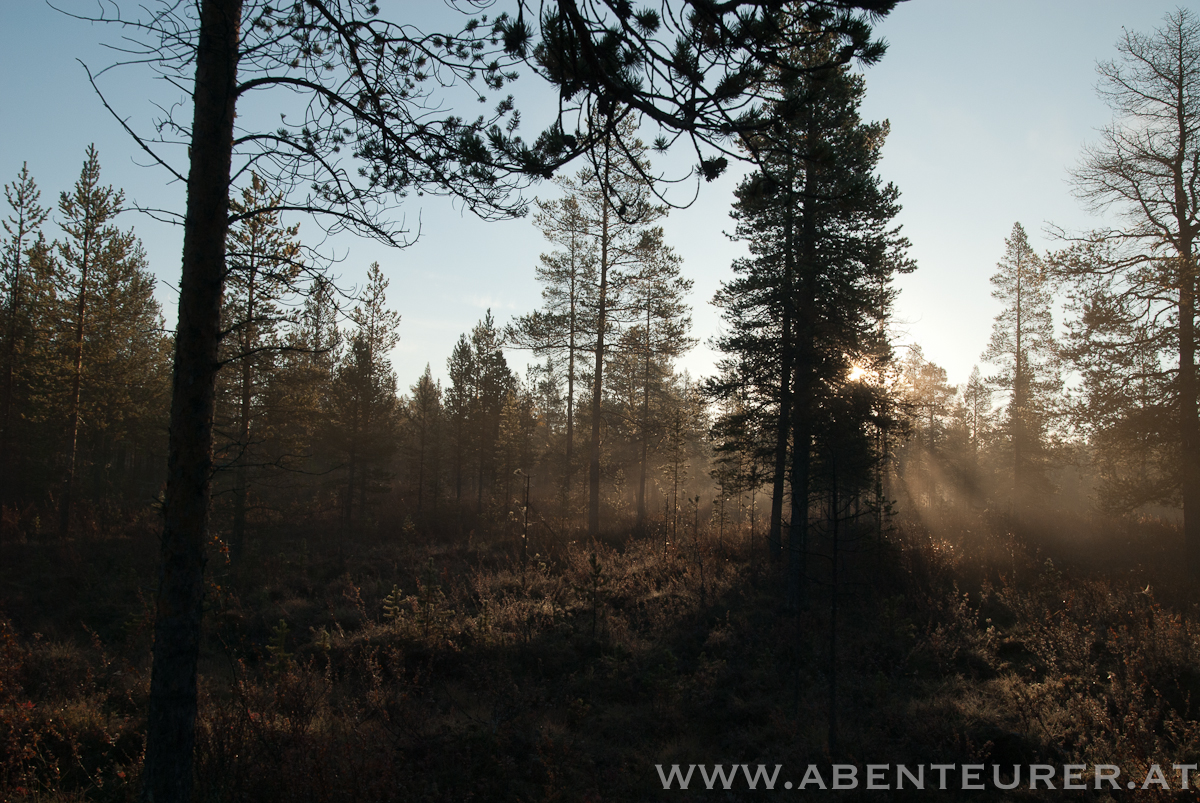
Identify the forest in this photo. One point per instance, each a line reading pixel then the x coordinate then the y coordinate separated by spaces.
pixel 243 559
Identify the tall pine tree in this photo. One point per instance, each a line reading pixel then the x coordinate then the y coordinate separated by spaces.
pixel 364 397
pixel 22 291
pixel 263 264
pixel 1023 346
pixel 804 308
pixel 112 336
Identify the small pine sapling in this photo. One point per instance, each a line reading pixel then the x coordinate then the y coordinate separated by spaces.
pixel 430 597
pixel 280 658
pixel 391 605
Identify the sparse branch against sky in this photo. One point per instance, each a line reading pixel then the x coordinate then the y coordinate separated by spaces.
pixel 990 104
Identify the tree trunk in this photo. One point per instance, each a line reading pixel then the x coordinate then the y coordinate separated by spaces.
pixel 421 461
pixel 352 467
pixel 801 460
pixel 803 359
pixel 241 479
pixel 645 433
pixel 170 732
pixel 64 524
pixel 833 603
pixel 775 534
pixel 598 380
pixel 1189 423
pixel 1018 401
pixel 570 405
pixel 9 475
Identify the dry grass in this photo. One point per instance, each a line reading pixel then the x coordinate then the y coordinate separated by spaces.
pixel 414 667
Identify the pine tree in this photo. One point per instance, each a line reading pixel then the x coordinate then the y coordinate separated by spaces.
pixel 364 395
pixel 977 409
pixel 561 328
pixel 127 373
pixel 1141 273
pixel 544 383
pixel 1023 346
pixel 742 446
pixel 480 381
pixel 806 306
pixel 21 291
pixel 296 400
pixel 424 414
pixel 656 301
pixel 615 201
pixel 515 444
pixel 685 427
pixel 969 431
pixel 114 347
pixel 493 381
pixel 925 398
pixel 263 263
pixel 1125 402
pixel 460 406
pixel 86 213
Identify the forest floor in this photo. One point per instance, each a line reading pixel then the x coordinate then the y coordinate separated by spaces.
pixel 411 666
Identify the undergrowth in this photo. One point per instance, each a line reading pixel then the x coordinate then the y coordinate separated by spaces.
pixel 419 667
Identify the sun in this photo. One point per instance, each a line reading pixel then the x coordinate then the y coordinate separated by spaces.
pixel 857 372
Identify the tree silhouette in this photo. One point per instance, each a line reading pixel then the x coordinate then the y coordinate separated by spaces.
pixel 1144 271
pixel 364 394
pixel 113 317
pixel 560 329
pixel 804 308
pixel 264 264
pixel 1023 345
pixel 20 292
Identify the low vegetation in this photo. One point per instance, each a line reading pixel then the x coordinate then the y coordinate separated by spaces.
pixel 418 666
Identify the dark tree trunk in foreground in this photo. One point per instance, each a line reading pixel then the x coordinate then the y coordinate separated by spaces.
pixel 1189 420
pixel 170 732
pixel 782 431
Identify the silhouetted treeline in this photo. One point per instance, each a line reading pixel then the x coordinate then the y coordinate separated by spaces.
pixel 84 358
pixel 312 424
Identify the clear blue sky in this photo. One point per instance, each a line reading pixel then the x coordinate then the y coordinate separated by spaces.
pixel 989 103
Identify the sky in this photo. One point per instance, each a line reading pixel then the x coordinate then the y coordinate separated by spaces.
pixel 990 104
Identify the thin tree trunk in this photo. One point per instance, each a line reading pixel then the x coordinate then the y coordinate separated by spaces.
pixel 570 417
pixel 1018 416
pixel 678 447
pixel 598 380
pixel 880 468
pixel 833 604
pixel 570 399
pixel 802 392
pixel 798 529
pixel 775 534
pixel 479 477
pixel 170 733
pixel 458 460
pixel 645 433
pixel 421 461
pixel 352 466
pixel 436 467
pixel 64 525
pixel 9 474
pixel 238 539
pixel 1189 423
